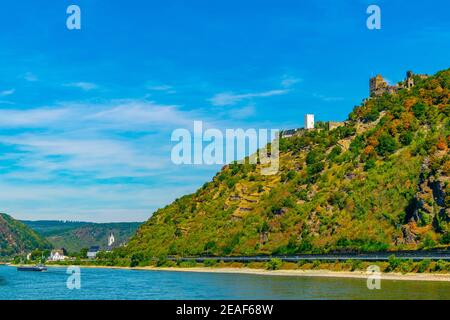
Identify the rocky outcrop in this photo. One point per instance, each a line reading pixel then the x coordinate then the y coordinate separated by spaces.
pixel 428 206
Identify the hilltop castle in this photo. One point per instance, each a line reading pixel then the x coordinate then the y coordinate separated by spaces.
pixel 379 86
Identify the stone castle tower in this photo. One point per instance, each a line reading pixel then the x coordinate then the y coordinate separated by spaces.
pixel 309 121
pixel 409 82
pixel 377 85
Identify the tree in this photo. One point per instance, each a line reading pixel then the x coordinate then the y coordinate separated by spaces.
pixel 83 253
pixel 406 138
pixel 386 145
pixel 419 110
pixel 136 259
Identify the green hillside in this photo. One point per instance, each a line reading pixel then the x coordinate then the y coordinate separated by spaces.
pixel 74 235
pixel 17 238
pixel 381 182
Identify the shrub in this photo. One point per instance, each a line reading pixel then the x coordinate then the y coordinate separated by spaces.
pixel 315 168
pixel 315 156
pixel 371 116
pixel 210 262
pixel 162 261
pixel 440 265
pixel 136 259
pixel 407 266
pixel 290 175
pixel 369 164
pixel 188 264
pixel 394 263
pixel 356 265
pixel 274 264
pixel 424 265
pixel 302 194
pixel 302 262
pixel 288 202
pixel 446 238
pixel 428 242
pixel 337 150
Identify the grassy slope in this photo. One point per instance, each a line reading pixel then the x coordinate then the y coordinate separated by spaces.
pixel 381 182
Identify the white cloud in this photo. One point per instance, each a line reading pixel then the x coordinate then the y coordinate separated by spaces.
pixel 99 203
pixel 121 148
pixel 92 139
pixel 230 98
pixel 147 113
pixel 102 158
pixel 86 86
pixel 134 115
pixel 7 92
pixel 31 117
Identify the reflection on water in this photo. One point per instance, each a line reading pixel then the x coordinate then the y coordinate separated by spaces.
pixel 128 284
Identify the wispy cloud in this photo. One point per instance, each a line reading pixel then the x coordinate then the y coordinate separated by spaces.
pixel 31 77
pixel 91 161
pixel 31 118
pixel 98 203
pixel 289 81
pixel 327 98
pixel 110 140
pixel 163 88
pixel 230 98
pixel 97 157
pixel 5 93
pixel 86 86
pixel 136 113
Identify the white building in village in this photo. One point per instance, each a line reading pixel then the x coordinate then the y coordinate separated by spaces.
pixel 57 255
pixel 92 252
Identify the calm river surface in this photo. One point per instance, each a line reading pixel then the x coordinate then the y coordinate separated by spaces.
pixel 152 285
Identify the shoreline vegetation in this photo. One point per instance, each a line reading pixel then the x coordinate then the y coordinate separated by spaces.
pixel 394 269
pixel 322 273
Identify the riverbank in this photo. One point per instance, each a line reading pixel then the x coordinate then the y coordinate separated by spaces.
pixel 286 273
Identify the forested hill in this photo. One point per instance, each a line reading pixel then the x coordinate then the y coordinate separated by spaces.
pixel 74 235
pixel 381 182
pixel 16 238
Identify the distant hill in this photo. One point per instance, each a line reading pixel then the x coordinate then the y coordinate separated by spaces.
pixel 17 238
pixel 379 182
pixel 74 236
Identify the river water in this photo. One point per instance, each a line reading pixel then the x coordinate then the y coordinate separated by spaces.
pixel 104 284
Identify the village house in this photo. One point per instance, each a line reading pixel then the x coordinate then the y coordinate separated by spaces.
pixel 57 255
pixel 92 252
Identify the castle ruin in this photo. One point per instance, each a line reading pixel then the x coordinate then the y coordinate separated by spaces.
pixel 379 86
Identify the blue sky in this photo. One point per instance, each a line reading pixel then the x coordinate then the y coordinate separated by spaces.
pixel 86 116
